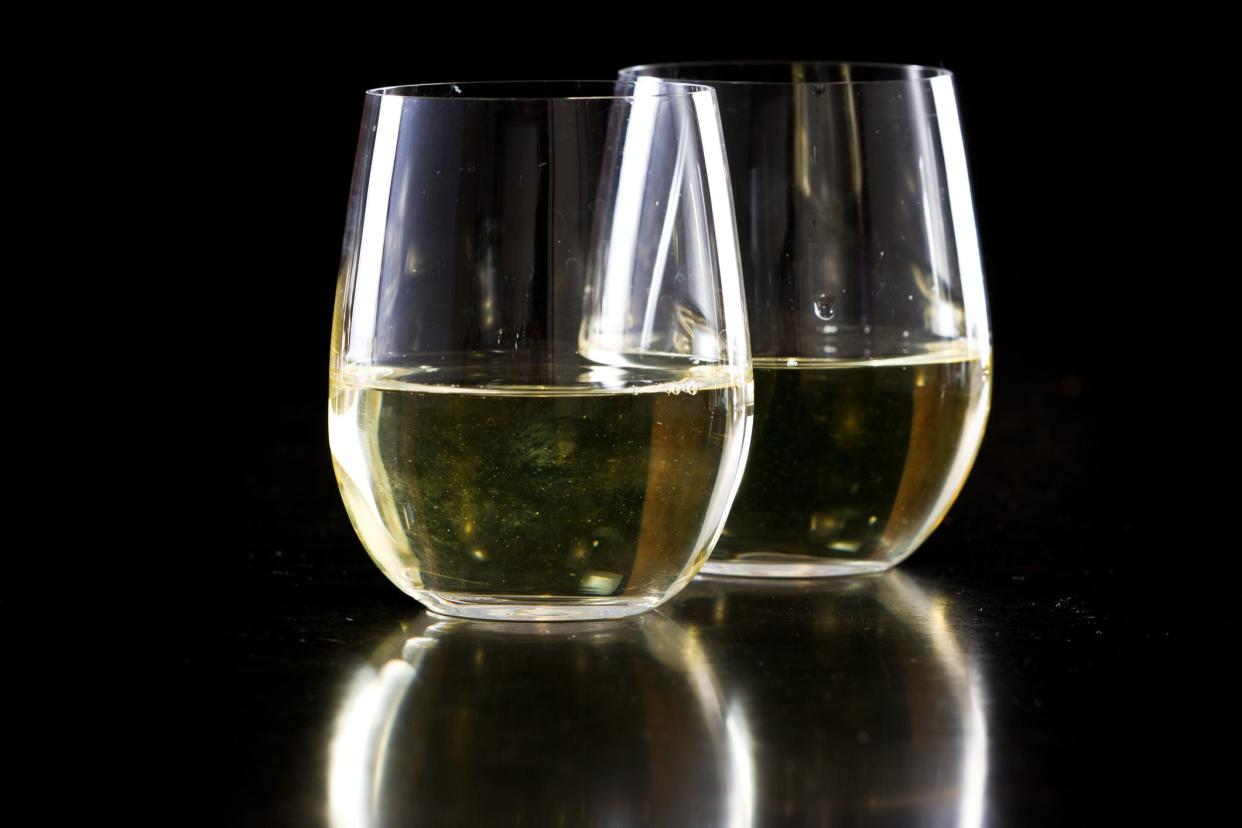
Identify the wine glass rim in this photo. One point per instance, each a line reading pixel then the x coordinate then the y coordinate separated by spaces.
pixel 904 73
pixel 459 90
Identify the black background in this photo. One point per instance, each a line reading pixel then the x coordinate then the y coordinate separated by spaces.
pixel 1074 504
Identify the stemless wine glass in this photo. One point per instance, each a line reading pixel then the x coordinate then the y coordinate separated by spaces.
pixel 868 316
pixel 541 395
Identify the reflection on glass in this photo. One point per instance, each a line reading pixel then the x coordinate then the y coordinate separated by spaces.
pixel 601 723
pixel 863 701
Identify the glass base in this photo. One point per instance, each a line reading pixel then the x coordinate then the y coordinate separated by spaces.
pixel 532 607
pixel 792 566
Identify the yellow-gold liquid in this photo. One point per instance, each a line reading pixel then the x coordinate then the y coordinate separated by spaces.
pixel 853 463
pixel 606 492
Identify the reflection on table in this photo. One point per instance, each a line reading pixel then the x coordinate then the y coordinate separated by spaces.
pixel 862 704
pixel 740 703
pixel 467 723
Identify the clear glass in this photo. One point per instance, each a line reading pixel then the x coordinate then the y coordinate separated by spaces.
pixel 541 392
pixel 868 315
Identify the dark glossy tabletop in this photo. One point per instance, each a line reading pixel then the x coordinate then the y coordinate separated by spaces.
pixel 741 703
pixel 1019 669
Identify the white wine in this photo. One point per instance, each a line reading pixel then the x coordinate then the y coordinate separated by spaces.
pixel 853 462
pixel 609 493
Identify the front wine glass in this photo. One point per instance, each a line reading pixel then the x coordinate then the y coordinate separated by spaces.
pixel 540 396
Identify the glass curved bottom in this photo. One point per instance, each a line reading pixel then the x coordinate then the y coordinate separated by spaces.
pixel 792 566
pixel 532 607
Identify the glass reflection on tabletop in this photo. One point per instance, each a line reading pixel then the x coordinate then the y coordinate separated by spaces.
pixel 603 723
pixel 861 701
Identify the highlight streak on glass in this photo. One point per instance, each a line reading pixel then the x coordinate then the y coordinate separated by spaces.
pixel 366 291
pixel 960 205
